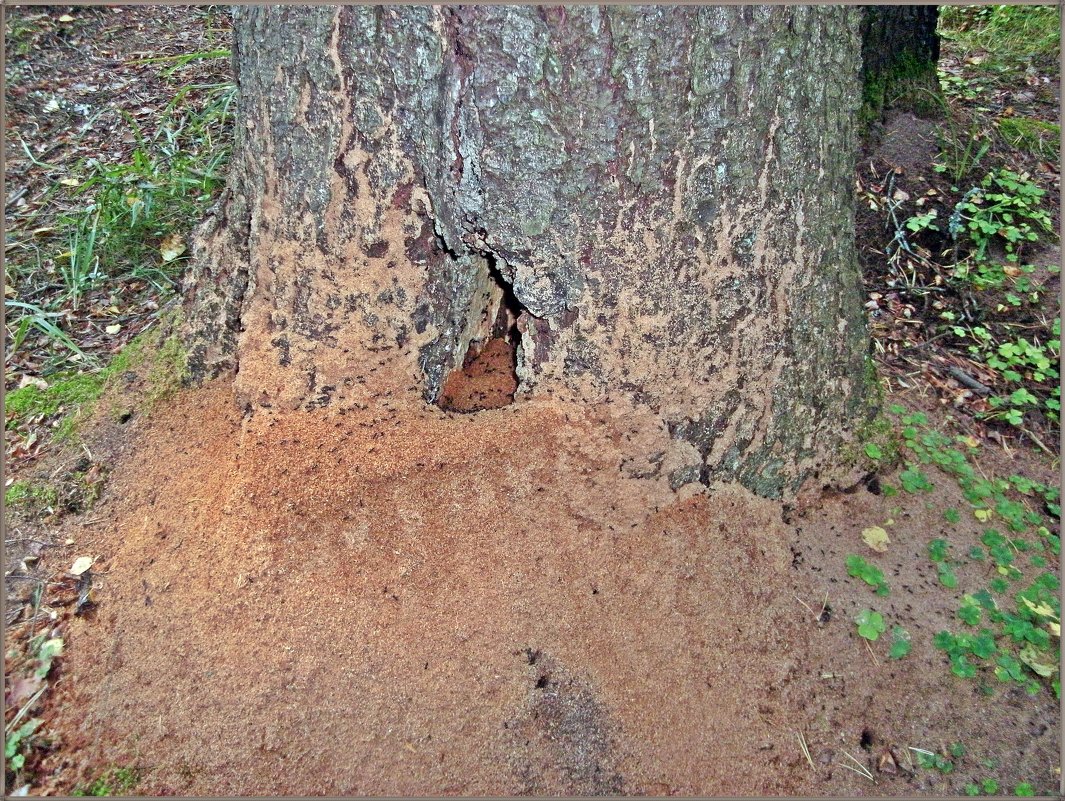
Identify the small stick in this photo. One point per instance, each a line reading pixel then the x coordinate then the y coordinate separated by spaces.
pixel 1042 447
pixel 969 381
pixel 26 708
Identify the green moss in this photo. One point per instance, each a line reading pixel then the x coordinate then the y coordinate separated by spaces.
pixel 75 395
pixel 909 84
pixel 168 371
pixel 1034 136
pixel 25 493
pixel 114 781
pixel 70 390
pixel 875 430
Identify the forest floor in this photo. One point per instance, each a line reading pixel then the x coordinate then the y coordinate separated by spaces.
pixel 388 601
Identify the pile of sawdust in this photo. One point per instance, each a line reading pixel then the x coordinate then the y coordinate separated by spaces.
pixel 403 601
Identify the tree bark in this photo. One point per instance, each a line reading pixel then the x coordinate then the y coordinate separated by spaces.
pixel 900 56
pixel 661 197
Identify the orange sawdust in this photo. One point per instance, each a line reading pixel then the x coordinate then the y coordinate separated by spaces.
pixel 396 601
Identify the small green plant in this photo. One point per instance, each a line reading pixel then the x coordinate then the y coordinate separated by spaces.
pixel 17 743
pixel 1024 789
pixel 857 567
pixel 1006 208
pixel 900 643
pixel 914 480
pixel 114 781
pixel 930 760
pixel 870 624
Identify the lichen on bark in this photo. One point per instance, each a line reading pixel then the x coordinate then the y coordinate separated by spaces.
pixel 665 191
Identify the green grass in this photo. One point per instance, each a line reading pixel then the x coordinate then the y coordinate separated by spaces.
pixel 1039 138
pixel 159 192
pixel 124 222
pixel 1013 37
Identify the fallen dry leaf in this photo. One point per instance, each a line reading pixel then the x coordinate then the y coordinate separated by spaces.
pixel 876 538
pixel 81 564
pixel 23 689
pixel 171 247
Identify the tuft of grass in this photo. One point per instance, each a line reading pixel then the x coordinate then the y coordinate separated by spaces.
pixel 127 222
pixel 1039 138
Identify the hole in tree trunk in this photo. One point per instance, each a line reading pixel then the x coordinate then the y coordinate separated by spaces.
pixel 488 376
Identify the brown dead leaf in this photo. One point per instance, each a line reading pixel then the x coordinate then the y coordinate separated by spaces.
pixel 886 763
pixel 23 689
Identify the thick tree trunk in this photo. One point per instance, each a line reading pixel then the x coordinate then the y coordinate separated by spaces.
pixel 900 54
pixel 657 201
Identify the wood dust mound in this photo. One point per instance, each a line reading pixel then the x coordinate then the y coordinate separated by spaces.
pixel 400 601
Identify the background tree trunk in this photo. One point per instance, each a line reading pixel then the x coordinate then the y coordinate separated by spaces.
pixel 900 56
pixel 656 201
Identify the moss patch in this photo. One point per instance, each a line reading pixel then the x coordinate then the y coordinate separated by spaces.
pixel 157 353
pixel 909 84
pixel 26 493
pixel 114 781
pixel 1034 136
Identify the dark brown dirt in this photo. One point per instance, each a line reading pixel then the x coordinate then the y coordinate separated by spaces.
pixel 400 601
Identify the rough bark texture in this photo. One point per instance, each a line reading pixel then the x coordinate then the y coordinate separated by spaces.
pixel 665 194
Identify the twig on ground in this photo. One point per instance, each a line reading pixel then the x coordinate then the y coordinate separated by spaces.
pixel 1036 440
pixel 808 607
pixel 969 381
pixel 25 708
pixel 870 649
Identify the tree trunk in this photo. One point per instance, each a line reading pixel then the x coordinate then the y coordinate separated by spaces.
pixel 900 56
pixel 654 205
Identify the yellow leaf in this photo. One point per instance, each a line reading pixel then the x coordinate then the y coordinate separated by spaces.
pixel 113 329
pixel 1055 629
pixel 70 181
pixel 983 515
pixel 171 247
pixel 1031 657
pixel 66 18
pixel 81 564
pixel 876 538
pixel 1042 609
